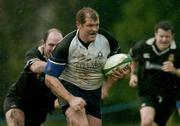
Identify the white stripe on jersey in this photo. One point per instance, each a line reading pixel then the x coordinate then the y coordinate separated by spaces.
pixel 56 62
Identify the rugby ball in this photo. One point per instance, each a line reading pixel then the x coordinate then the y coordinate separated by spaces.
pixel 120 60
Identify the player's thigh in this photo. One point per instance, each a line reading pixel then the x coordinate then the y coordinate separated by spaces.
pixel 93 121
pixel 147 113
pixel 76 118
pixel 15 117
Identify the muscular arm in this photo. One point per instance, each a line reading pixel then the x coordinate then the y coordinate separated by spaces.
pixel 38 67
pixel 58 89
pixel 111 80
pixel 133 76
pixel 35 61
pixel 106 87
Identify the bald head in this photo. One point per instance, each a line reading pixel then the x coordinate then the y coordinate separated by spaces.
pixel 51 39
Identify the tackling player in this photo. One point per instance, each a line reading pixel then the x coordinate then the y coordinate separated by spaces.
pixel 28 101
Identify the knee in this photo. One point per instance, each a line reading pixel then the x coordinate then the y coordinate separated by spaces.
pixel 147 122
pixel 15 117
pixel 76 118
pixel 76 122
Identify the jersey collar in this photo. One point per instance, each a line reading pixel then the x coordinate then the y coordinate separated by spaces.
pixel 41 50
pixel 151 43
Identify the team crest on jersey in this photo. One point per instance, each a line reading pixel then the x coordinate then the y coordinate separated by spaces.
pixel 146 55
pixel 100 54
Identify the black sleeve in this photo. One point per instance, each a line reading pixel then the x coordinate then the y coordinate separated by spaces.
pixel 177 56
pixel 31 56
pixel 114 45
pixel 61 52
pixel 136 50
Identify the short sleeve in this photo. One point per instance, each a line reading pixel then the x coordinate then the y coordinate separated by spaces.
pixel 32 56
pixel 135 51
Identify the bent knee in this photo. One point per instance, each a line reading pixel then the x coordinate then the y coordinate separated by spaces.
pixel 15 117
pixel 147 122
pixel 76 118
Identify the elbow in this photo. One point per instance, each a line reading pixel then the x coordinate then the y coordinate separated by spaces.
pixel 51 81
pixel 38 67
pixel 48 80
pixel 34 70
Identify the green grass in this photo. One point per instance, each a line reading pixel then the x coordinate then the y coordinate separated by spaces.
pixel 123 118
pixel 106 123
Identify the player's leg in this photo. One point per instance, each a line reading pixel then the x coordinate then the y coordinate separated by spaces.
pixel 15 117
pixel 93 121
pixel 164 111
pixel 93 108
pixel 148 110
pixel 13 112
pixel 76 118
pixel 147 116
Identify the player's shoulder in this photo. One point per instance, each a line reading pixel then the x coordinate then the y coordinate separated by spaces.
pixel 177 49
pixel 141 44
pixel 62 49
pixel 69 36
pixel 33 50
pixel 65 43
pixel 177 45
pixel 107 35
pixel 113 42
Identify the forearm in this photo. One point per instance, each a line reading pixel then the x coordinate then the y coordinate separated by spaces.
pixel 108 83
pixel 134 66
pixel 38 67
pixel 57 88
pixel 177 72
pixel 133 81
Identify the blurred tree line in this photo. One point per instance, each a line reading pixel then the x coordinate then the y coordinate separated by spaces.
pixel 23 24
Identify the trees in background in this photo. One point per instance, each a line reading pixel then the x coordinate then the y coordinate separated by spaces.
pixel 24 22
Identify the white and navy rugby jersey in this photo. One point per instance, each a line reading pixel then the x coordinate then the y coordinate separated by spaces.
pixel 82 66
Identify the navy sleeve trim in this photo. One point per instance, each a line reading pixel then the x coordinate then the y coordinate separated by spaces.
pixel 54 69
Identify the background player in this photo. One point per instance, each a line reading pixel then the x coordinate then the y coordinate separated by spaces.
pixel 155 69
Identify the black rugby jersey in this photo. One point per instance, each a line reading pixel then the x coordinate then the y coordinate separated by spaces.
pixel 151 79
pixel 33 55
pixel 32 92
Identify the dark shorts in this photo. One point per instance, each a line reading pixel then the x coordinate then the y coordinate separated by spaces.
pixel 163 107
pixel 92 98
pixel 33 116
pixel 12 102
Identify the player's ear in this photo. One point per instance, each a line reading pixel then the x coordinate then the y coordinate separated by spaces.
pixel 78 24
pixel 155 33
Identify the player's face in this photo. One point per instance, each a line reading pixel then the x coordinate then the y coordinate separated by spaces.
pixel 53 39
pixel 163 39
pixel 88 30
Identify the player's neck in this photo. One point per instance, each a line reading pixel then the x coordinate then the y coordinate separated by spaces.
pixel 85 44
